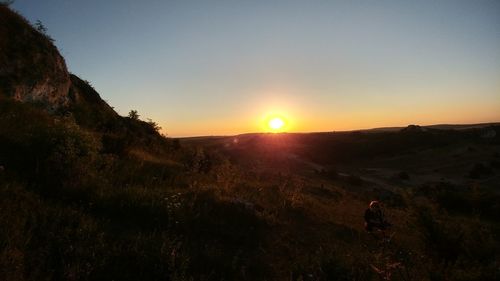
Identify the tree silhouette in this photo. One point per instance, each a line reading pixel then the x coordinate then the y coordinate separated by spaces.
pixel 40 27
pixel 154 125
pixel 133 114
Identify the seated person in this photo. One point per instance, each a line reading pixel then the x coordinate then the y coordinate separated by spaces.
pixel 374 218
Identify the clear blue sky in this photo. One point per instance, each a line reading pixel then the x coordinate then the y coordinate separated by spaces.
pixel 220 67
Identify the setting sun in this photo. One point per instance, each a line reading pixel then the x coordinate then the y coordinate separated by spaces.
pixel 276 123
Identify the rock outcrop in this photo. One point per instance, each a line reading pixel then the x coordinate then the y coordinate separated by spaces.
pixel 31 68
pixel 33 71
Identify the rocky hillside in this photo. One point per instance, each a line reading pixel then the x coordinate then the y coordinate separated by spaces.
pixel 31 68
pixel 32 71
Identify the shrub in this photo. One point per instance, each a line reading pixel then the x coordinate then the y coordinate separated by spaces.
pixel 133 115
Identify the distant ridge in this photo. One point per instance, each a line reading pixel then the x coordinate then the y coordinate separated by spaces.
pixel 436 126
pixel 461 126
pixel 372 130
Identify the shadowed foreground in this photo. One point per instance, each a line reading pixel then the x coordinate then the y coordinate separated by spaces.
pixel 268 207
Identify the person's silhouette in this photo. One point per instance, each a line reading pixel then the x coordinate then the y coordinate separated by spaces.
pixel 374 218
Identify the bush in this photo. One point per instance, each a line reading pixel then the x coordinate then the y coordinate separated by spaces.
pixel 45 150
pixel 71 153
pixel 133 115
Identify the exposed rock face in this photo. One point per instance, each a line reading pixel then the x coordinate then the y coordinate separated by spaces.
pixel 31 68
pixel 50 89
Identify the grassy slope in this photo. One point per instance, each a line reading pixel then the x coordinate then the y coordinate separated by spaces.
pixel 194 213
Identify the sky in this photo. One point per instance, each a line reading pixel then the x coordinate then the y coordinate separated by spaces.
pixel 226 67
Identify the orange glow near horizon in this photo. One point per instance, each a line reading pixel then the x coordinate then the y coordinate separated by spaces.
pixel 300 120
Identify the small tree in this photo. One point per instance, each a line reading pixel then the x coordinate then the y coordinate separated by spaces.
pixel 154 125
pixel 42 29
pixel 133 115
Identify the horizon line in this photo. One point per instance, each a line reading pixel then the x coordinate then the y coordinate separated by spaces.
pixel 492 123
